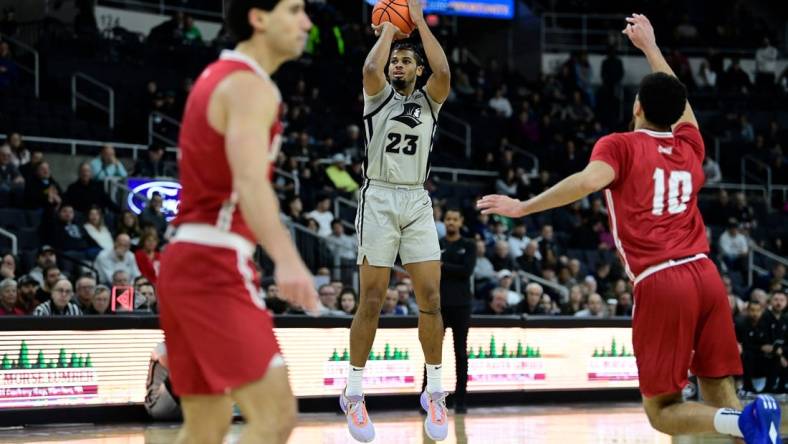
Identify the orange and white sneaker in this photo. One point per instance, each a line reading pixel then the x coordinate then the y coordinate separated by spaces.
pixel 437 423
pixel 358 422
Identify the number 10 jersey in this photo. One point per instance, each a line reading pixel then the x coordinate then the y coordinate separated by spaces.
pixel 399 133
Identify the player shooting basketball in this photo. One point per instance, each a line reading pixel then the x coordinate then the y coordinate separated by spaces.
pixel 651 178
pixel 395 211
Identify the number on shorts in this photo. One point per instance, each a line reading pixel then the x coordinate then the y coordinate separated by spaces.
pixel 396 138
pixel 677 180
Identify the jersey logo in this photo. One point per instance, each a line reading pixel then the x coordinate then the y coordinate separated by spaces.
pixel 410 115
pixel 665 149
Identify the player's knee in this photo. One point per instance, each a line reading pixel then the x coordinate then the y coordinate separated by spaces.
pixel 431 300
pixel 371 302
pixel 280 423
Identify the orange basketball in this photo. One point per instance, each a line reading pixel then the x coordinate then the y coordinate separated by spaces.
pixel 394 11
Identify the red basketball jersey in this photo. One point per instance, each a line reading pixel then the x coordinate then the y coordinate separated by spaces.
pixel 652 202
pixel 207 196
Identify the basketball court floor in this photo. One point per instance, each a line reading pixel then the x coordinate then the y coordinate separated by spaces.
pixel 575 424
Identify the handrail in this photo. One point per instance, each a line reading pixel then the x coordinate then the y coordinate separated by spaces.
pixel 113 184
pixel 163 8
pixel 535 169
pixel 73 143
pixel 544 282
pixel 76 95
pixel 466 127
pixel 351 203
pixel 152 134
pixel 35 70
pixel 736 186
pixel 14 240
pixel 456 172
pixel 745 174
pixel 754 248
pixel 291 176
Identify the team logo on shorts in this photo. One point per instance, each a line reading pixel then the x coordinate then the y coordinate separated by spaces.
pixel 410 115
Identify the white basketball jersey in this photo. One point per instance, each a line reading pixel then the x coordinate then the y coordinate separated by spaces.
pixel 399 134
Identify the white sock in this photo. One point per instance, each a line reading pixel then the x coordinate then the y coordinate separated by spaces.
pixel 354 377
pixel 726 422
pixel 434 378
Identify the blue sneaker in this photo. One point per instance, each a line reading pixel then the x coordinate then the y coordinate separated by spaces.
pixel 760 421
pixel 437 423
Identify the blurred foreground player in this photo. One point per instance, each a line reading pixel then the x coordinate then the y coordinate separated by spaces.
pixel 220 340
pixel 682 317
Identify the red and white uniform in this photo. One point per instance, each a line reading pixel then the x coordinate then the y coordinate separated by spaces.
pixel 218 333
pixel 682 319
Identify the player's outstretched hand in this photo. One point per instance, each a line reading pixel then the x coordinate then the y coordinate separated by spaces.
pixel 499 204
pixel 378 29
pixel 640 32
pixel 416 11
pixel 296 285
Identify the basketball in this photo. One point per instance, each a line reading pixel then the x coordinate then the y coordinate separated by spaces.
pixel 394 11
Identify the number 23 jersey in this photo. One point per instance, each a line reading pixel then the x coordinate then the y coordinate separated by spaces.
pixel 652 202
pixel 399 133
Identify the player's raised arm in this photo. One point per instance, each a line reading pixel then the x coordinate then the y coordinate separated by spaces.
pixel 375 64
pixel 439 83
pixel 641 33
pixel 250 105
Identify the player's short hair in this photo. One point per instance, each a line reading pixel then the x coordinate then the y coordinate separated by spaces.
pixel 408 46
pixel 663 98
pixel 236 16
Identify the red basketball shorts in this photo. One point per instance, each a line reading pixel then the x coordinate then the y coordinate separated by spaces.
pixel 682 321
pixel 218 334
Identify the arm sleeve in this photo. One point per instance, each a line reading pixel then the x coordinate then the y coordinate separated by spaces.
pixel 690 134
pixel 612 151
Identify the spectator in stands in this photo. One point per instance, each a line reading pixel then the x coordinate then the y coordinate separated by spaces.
pixel 578 111
pixel 97 230
pixel 765 66
pixel 496 304
pixel 500 104
pixel 348 301
pixel 8 298
pixel 752 338
pixel 505 280
pixel 328 300
pixel 391 304
pixel 612 71
pixel 153 165
pixel 743 211
pixel 548 242
pixel 51 276
pixel 501 258
pixel 153 216
pixel 624 306
pixel 128 224
pixel 518 241
pixel 341 244
pixel 711 169
pixel 107 165
pixel 484 271
pixel 294 210
pixel 575 302
pixel 720 210
pixel 7 266
pixel 42 190
pixel 736 80
pixel 531 305
pixel 117 258
pixel 85 192
pixel 85 288
pixel 706 78
pixel 28 170
pixel 596 307
pixel 60 304
pixel 274 301
pixel 548 306
pixel 149 300
pixel 148 256
pixel 27 289
pixel 406 299
pixel 529 261
pixel 351 143
pixel 121 278
pixel 101 301
pixel 339 176
pixel 191 33
pixel 685 32
pixel 734 247
pixel 11 180
pixel 20 155
pixel 9 25
pixel 507 183
pixel 746 132
pixel 67 236
pixel 322 215
pixel 8 67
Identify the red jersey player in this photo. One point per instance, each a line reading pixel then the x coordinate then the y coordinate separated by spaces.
pixel 651 178
pixel 220 340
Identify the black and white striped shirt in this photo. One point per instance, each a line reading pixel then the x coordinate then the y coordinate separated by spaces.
pixel 46 309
